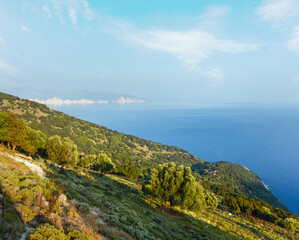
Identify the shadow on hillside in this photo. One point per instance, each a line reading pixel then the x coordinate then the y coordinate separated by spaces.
pixel 125 208
pixel 11 225
pixel 253 230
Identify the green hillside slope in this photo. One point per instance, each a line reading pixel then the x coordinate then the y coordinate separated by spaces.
pixel 82 205
pixel 128 149
pixel 92 138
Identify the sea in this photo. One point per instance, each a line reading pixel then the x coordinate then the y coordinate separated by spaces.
pixel 261 137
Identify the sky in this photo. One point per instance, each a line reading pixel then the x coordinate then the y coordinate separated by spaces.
pixel 196 51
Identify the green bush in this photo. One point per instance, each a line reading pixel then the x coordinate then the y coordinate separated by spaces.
pixel 46 232
pixel 10 217
pixel 83 207
pixel 75 234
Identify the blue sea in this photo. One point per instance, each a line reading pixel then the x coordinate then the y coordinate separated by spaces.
pixel 263 138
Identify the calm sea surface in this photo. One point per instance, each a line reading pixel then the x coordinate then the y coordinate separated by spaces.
pixel 264 139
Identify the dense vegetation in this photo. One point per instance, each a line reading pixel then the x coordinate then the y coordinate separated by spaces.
pixel 177 186
pixel 111 206
pixel 236 179
pixel 75 189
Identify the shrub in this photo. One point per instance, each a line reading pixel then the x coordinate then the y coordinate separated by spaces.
pixel 46 232
pixel 75 234
pixel 290 224
pixel 10 217
pixel 83 207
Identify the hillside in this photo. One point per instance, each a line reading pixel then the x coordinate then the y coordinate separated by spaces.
pixel 127 149
pixel 87 206
pixel 91 138
pixel 236 178
pixel 62 189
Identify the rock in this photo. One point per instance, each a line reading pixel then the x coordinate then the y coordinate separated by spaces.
pixel 100 221
pixel 62 199
pixel 43 202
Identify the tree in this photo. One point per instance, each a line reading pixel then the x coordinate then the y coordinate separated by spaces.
pixel 211 199
pixel 176 186
pixel 38 139
pixel 87 160
pixel 62 150
pixel 129 171
pixel 290 224
pixel 3 125
pixel 17 135
pixel 103 164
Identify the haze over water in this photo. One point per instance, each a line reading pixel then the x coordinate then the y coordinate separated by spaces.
pixel 263 139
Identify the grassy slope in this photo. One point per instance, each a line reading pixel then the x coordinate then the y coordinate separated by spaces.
pixel 124 212
pixel 129 149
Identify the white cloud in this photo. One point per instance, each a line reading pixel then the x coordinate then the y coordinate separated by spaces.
pixel 295 80
pixel 102 101
pixel 73 8
pixel 214 73
pixel 2 43
pixel 46 10
pixel 293 43
pixel 278 12
pixel 88 13
pixel 25 29
pixel 216 11
pixel 191 47
pixel 73 15
pixel 8 69
pixel 123 100
pixel 55 101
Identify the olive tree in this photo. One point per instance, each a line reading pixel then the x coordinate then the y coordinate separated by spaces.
pixel 62 150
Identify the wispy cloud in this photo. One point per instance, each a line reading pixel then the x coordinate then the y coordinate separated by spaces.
pixel 8 69
pixel 2 43
pixel 295 80
pixel 47 11
pixel 191 47
pixel 278 12
pixel 293 43
pixel 73 15
pixel 25 29
pixel 282 13
pixel 216 11
pixel 123 100
pixel 71 9
pixel 215 73
pixel 55 101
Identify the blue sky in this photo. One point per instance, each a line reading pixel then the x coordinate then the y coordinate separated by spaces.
pixel 198 51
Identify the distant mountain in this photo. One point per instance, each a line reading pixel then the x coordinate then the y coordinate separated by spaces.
pixel 44 94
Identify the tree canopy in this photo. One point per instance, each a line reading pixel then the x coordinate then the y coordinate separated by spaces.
pixel 62 150
pixel 103 164
pixel 177 186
